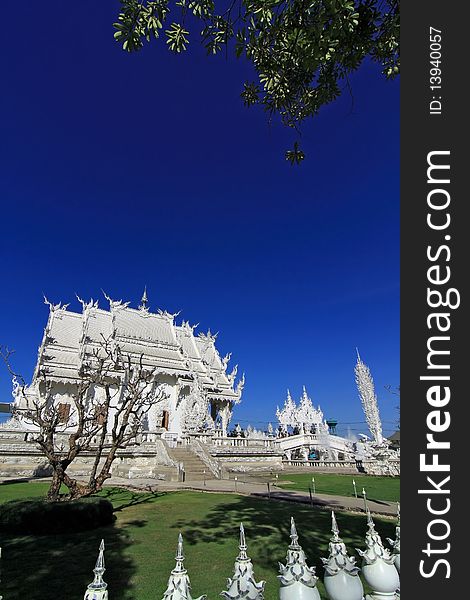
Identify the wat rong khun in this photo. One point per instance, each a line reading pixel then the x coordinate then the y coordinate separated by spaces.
pixel 184 432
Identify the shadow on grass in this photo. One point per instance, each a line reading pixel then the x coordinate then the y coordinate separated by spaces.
pixel 61 566
pixel 124 498
pixel 267 528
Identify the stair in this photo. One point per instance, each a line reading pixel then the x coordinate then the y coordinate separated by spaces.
pixel 194 467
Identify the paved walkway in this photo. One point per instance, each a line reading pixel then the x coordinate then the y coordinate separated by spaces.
pixel 261 490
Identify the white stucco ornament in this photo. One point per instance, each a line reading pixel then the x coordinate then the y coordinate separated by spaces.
pixel 97 590
pixel 297 580
pixel 395 544
pixel 377 566
pixel 341 573
pixel 365 386
pixel 179 586
pixel 243 584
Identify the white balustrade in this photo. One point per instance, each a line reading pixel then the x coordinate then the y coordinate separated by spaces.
pixel 297 581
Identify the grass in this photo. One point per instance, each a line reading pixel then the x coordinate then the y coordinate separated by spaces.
pixel 377 488
pixel 140 546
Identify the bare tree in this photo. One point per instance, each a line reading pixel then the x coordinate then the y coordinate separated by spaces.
pixel 108 403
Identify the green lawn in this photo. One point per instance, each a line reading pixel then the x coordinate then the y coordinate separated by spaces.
pixel 377 488
pixel 140 546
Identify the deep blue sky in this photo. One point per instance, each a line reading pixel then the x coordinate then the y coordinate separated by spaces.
pixel 122 170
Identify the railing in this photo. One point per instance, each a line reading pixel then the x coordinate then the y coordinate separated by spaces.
pixel 239 442
pixel 321 464
pixel 341 580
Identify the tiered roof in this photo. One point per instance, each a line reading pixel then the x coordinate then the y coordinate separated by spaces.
pixel 155 338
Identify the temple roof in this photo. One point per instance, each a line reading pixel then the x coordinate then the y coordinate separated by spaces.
pixel 154 338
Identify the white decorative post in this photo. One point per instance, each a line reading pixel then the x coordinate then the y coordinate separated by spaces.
pixel 97 590
pixel 377 566
pixel 297 580
pixel 354 486
pixel 341 574
pixel 395 544
pixel 365 386
pixel 179 586
pixel 242 584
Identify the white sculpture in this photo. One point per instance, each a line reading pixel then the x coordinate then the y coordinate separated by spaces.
pixel 305 415
pixel 179 586
pixel 365 386
pixel 342 581
pixel 297 580
pixel 286 416
pixel 243 584
pixel 196 412
pixel 377 566
pixel 97 590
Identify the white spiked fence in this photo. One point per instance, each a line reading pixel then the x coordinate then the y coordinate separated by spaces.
pixel 297 581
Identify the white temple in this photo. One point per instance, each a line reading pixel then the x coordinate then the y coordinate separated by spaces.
pixel 197 389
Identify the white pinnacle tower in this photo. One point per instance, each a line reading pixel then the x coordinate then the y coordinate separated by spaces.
pixel 341 573
pixel 297 579
pixel 378 567
pixel 365 386
pixel 179 586
pixel 243 585
pixel 97 590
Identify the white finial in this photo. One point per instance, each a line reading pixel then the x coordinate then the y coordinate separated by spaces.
pixel 378 566
pixel 297 579
pixel 97 589
pixel 293 533
pixel 341 573
pixel 144 300
pixel 242 585
pixel 179 586
pixel 242 545
pixel 334 528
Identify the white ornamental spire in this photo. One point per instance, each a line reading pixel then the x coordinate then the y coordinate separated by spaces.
pixel 97 590
pixel 341 574
pixel 296 579
pixel 179 586
pixel 305 413
pixel 287 416
pixel 377 566
pixel 365 386
pixel 144 300
pixel 243 584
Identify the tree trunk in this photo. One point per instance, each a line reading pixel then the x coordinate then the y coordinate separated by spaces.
pixel 76 489
pixel 53 495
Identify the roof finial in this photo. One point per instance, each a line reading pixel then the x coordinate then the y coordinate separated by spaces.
pixel 144 300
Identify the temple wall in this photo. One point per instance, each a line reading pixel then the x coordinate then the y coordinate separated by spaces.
pixel 21 458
